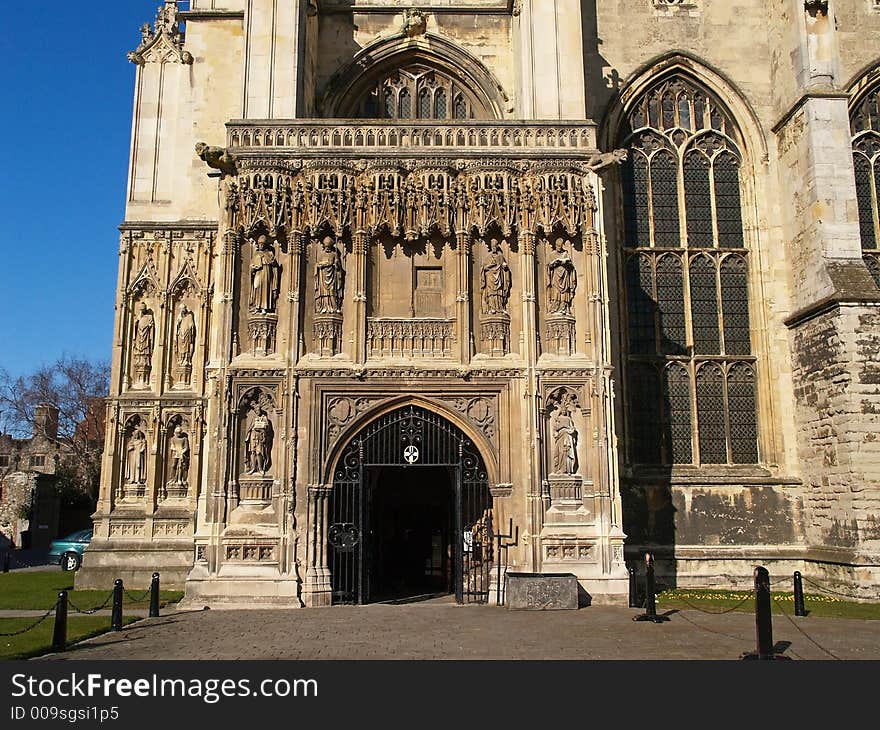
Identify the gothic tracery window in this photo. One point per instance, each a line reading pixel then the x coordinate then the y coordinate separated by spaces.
pixel 417 91
pixel 865 128
pixel 691 396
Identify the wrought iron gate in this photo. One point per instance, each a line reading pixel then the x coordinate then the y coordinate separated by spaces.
pixel 410 437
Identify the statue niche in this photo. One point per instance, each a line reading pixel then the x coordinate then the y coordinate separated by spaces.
pixel 565 479
pixel 134 459
pixel 143 340
pixel 178 454
pixel 561 287
pixel 495 284
pixel 257 435
pixel 265 285
pixel 184 345
pixel 329 289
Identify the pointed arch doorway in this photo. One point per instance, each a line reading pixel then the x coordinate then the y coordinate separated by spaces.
pixel 410 513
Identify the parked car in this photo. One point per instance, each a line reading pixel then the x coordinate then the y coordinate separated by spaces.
pixel 68 551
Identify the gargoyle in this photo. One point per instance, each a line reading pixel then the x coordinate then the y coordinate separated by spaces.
pixel 217 157
pixel 606 159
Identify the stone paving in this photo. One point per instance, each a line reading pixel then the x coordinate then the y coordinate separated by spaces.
pixel 440 630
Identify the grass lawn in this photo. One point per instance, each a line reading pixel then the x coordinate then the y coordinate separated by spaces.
pixel 39 639
pixel 39 590
pixel 717 601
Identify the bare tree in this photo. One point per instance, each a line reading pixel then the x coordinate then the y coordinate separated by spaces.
pixel 77 389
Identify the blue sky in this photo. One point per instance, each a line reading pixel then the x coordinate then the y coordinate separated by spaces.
pixel 66 121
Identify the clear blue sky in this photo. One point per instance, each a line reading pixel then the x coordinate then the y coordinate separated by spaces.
pixel 65 124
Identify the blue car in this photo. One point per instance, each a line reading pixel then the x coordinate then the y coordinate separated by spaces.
pixel 68 551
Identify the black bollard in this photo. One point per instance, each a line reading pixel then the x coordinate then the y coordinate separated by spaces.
pixel 763 617
pixel 59 636
pixel 799 608
pixel 154 596
pixel 6 559
pixel 650 613
pixel 633 587
pixel 116 616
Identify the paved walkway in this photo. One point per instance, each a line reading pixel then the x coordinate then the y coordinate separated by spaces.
pixel 439 630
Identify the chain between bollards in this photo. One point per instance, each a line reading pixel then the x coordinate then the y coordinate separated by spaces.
pixel 116 616
pixel 59 635
pixel 650 613
pixel 799 607
pixel 154 596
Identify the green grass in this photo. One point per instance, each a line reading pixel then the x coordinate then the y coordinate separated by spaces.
pixel 39 590
pixel 39 639
pixel 716 601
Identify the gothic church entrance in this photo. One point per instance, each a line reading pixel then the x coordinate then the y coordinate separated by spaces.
pixel 410 514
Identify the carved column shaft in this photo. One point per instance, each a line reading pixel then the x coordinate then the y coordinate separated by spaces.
pixel 462 303
pixel 360 241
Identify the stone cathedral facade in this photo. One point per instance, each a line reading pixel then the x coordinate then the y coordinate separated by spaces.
pixel 413 295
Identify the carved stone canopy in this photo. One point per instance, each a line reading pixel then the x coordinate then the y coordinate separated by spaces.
pixel 164 43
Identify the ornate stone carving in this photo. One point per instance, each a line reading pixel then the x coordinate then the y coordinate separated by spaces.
pixel 561 279
pixel 481 411
pixel 135 459
pixel 328 334
pixel 143 340
pixel 164 43
pixel 495 281
pixel 495 334
pixel 560 335
pixel 177 482
pixel 565 437
pixel 262 329
pixel 343 410
pixel 184 345
pixel 265 277
pixel 414 22
pixel 218 158
pixel 329 279
pixel 432 338
pixel 258 442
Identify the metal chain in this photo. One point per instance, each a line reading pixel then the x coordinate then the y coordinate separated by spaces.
pixel 711 631
pixel 829 590
pixel 34 624
pixel 90 610
pixel 809 638
pixel 138 600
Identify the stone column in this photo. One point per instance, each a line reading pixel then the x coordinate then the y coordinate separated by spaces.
pixel 529 346
pixel 274 59
pixel 551 83
pixel 835 304
pixel 360 242
pixel 316 589
pixel 463 296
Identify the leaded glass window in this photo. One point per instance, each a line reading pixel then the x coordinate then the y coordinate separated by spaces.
pixel 865 127
pixel 685 272
pixel 417 91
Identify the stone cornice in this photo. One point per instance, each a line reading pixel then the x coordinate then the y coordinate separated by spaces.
pixel 188 15
pixel 393 7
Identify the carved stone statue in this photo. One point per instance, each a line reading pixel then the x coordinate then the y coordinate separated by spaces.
pixel 561 279
pixel 184 340
pixel 136 458
pixel 265 277
pixel 329 279
pixel 143 339
pixel 564 442
pixel 178 447
pixel 258 443
pixel 495 281
pixel 218 158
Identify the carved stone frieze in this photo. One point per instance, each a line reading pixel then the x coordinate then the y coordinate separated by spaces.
pixel 432 338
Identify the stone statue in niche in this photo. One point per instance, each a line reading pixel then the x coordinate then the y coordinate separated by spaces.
pixel 184 341
pixel 265 277
pixel 561 279
pixel 495 280
pixel 564 441
pixel 329 279
pixel 136 457
pixel 258 443
pixel 178 448
pixel 143 339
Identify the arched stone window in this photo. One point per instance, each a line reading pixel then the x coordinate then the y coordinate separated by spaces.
pixel 865 127
pixel 418 91
pixel 690 373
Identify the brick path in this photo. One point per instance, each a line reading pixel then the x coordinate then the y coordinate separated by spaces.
pixel 439 630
